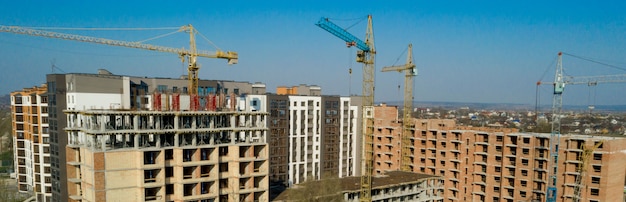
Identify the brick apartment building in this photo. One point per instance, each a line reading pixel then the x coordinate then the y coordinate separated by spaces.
pixel 495 164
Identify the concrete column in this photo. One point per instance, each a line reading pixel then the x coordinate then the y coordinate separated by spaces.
pixel 232 136
pixel 176 117
pixel 176 137
pixel 136 122
pixel 157 122
pixel 233 121
pixel 194 121
pixel 194 139
pixel 136 139
pixel 100 119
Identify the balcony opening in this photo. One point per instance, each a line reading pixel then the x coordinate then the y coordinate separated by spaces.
pixel 205 171
pixel 257 166
pixel 243 182
pixel 152 193
pixel 243 167
pixel 242 151
pixel 258 151
pixel 149 157
pixel 205 154
pixel 188 172
pixel 257 182
pixel 188 189
pixel 150 175
pixel 205 187
pixel 188 155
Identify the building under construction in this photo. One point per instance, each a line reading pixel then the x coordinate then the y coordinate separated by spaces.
pixel 489 164
pixel 148 139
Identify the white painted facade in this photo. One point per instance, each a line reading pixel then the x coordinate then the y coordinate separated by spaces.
pixel 32 161
pixel 304 138
pixel 348 141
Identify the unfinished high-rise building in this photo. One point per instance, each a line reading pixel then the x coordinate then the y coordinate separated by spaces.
pixel 496 164
pixel 311 135
pixel 29 115
pixel 135 138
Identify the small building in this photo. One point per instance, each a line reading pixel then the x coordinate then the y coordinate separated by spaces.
pixel 392 186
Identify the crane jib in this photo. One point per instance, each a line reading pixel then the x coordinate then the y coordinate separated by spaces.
pixel 342 34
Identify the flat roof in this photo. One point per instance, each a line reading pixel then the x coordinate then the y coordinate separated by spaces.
pixel 389 179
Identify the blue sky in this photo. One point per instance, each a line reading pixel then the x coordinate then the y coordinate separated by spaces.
pixel 465 51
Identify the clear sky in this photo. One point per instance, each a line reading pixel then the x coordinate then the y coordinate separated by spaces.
pixel 465 51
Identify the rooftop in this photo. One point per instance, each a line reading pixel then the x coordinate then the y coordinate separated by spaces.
pixel 353 184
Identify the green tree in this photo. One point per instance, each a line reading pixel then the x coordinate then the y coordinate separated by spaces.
pixel 7 194
pixel 327 189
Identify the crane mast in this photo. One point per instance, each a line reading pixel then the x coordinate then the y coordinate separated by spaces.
pixel 190 54
pixel 366 55
pixel 555 134
pixel 407 123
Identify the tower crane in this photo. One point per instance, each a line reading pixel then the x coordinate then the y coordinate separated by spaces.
pixel 191 54
pixel 582 169
pixel 407 124
pixel 560 81
pixel 365 55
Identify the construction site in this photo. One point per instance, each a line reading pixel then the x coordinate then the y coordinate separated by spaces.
pixel 109 137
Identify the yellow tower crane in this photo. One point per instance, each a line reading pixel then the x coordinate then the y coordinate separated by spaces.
pixel 407 123
pixel 581 178
pixel 191 54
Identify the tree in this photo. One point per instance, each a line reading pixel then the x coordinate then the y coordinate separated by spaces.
pixel 327 189
pixel 7 194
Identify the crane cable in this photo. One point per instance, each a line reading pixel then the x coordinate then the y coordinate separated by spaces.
pixel 597 62
pixel 105 29
pixel 359 20
pixel 537 94
pixel 210 42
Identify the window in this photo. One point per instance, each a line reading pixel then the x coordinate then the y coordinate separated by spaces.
pixel 499 138
pixel 498 148
pixel 223 167
pixel 525 162
pixel 169 171
pixel 496 189
pixel 223 151
pixel 595 180
pixel 169 154
pixel 595 192
pixel 526 140
pixel 524 183
pixel 522 193
pixel 525 151
pixel 169 189
pixel 498 169
pixel 524 173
